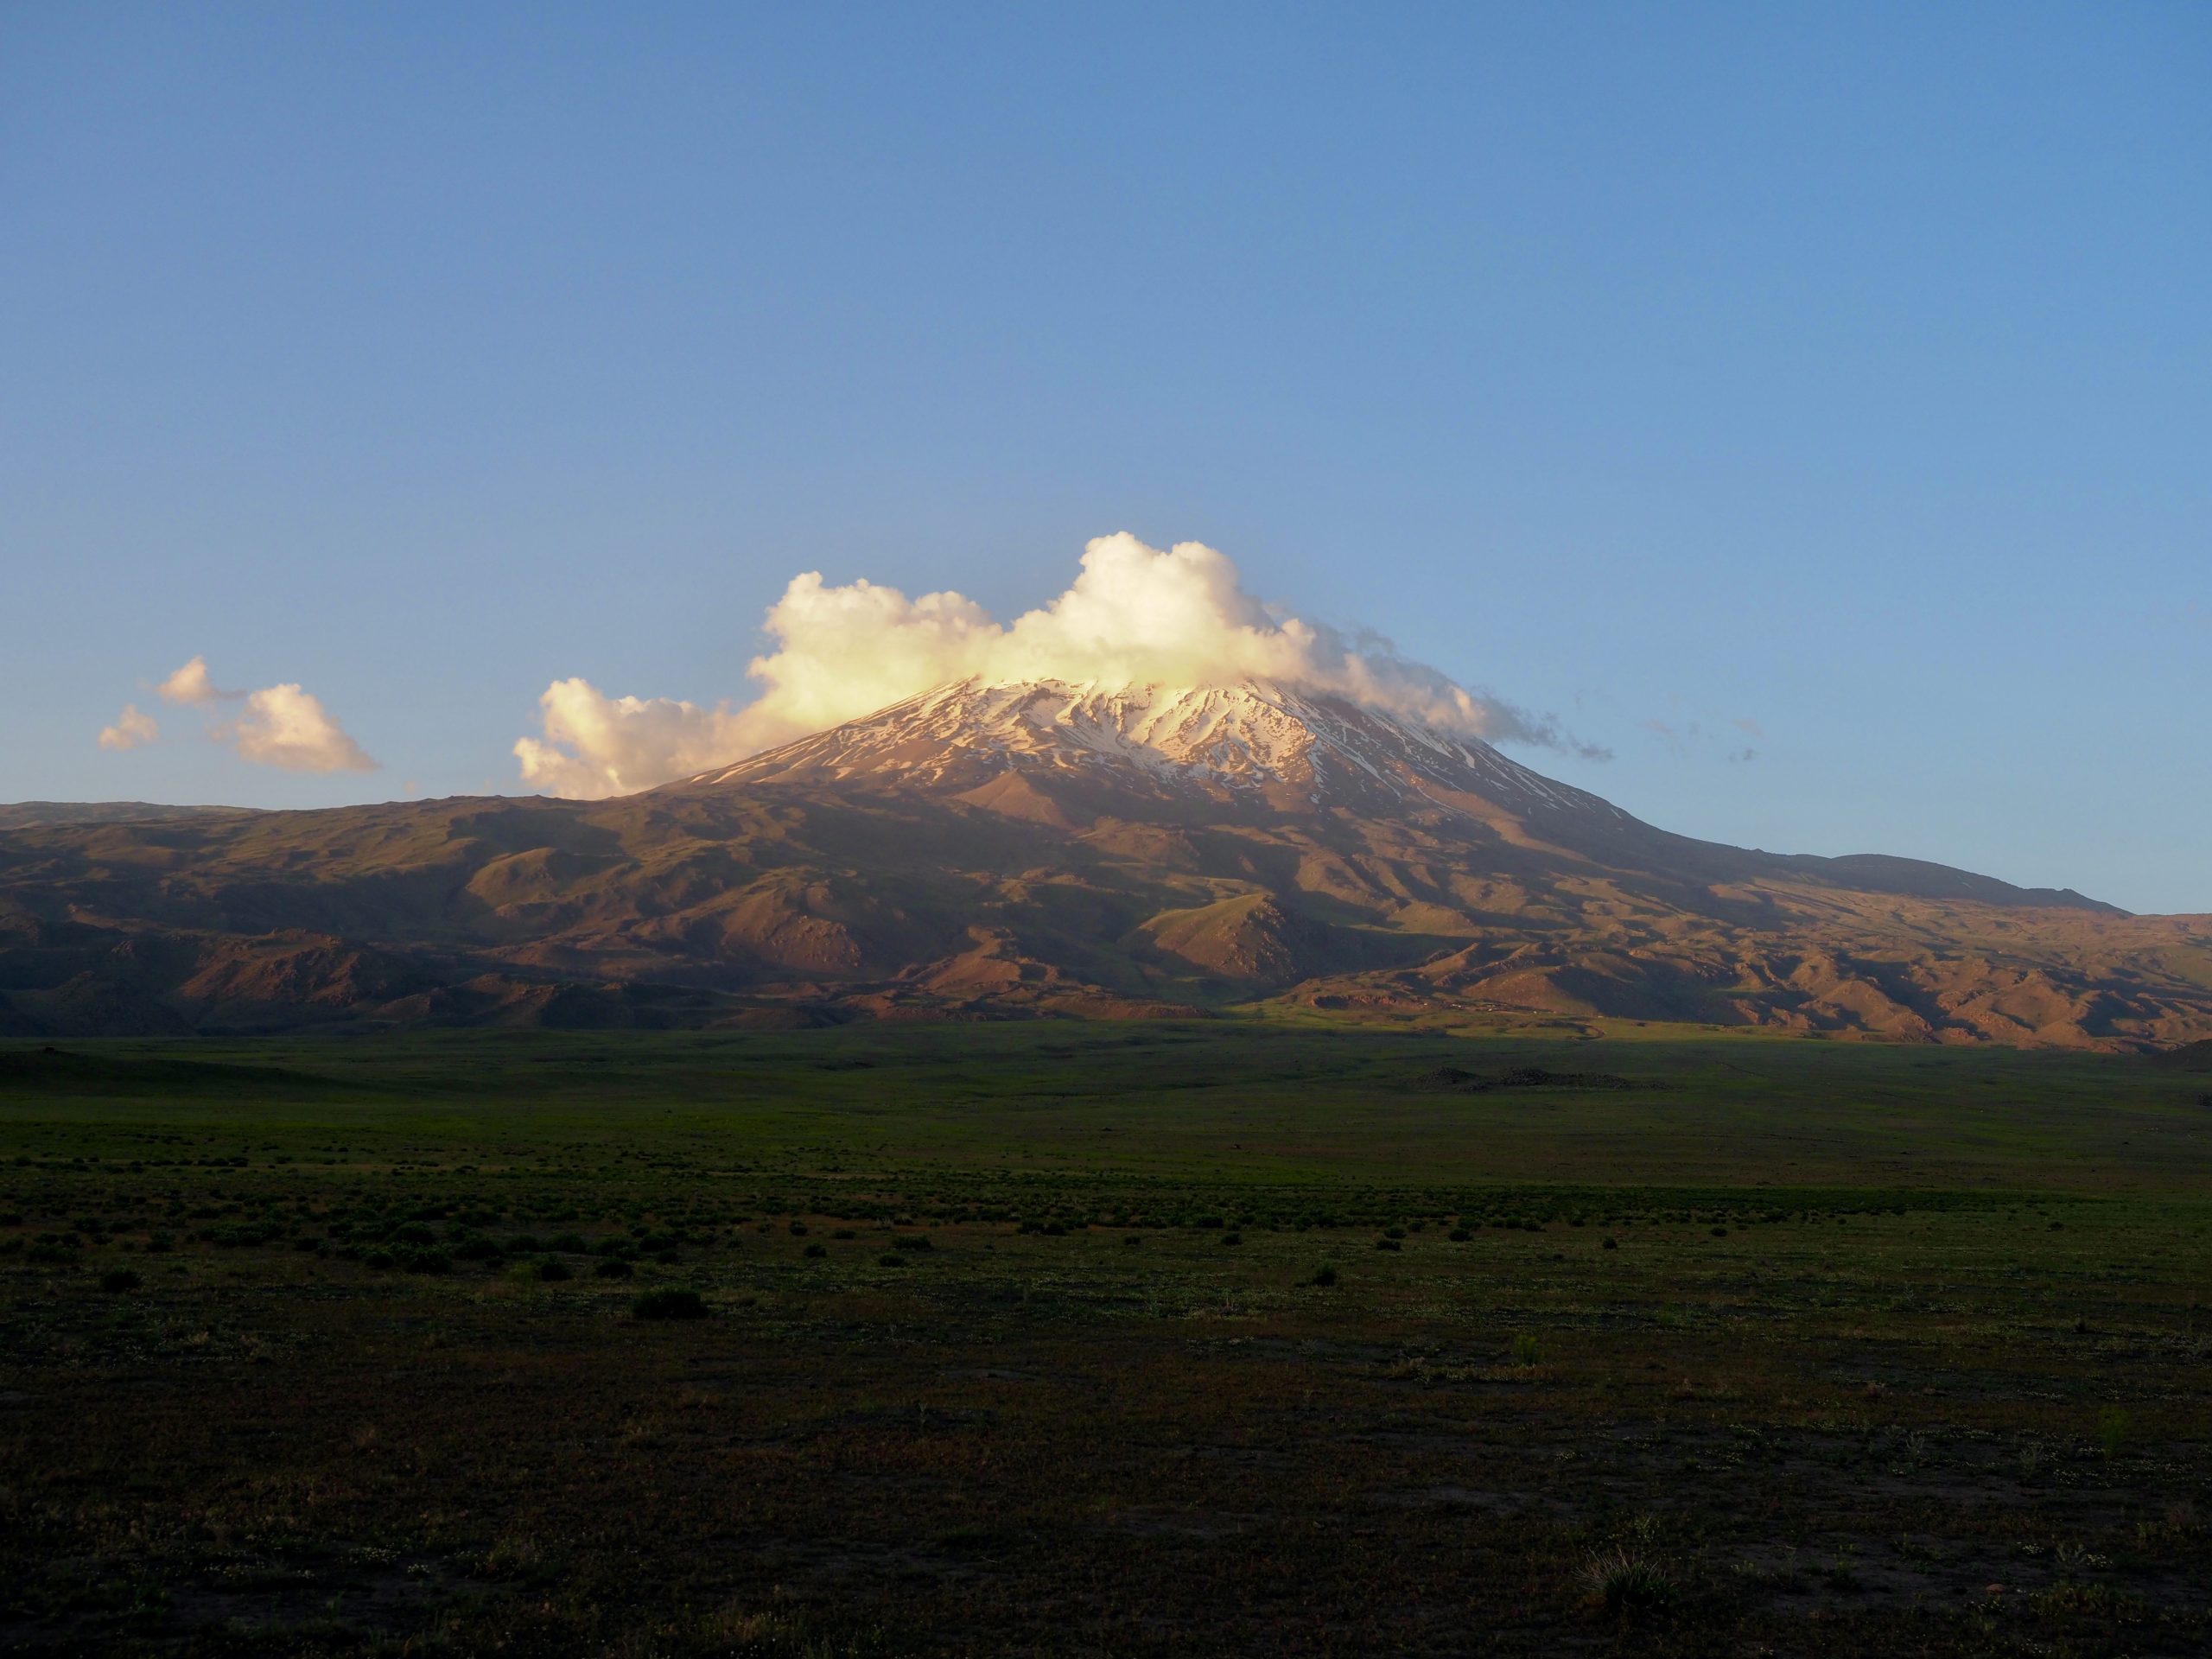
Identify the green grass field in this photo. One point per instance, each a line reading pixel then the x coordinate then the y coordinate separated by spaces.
pixel 1101 1340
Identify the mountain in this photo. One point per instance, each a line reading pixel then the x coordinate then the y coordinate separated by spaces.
pixel 25 814
pixel 996 850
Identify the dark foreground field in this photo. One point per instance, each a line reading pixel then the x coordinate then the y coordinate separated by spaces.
pixel 1111 1340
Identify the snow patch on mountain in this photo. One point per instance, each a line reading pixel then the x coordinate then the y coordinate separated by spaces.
pixel 1253 737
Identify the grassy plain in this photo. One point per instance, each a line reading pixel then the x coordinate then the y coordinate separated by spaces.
pixel 1103 1340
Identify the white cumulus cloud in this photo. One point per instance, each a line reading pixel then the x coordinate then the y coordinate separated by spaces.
pixel 1134 614
pixel 284 726
pixel 130 729
pixel 191 685
pixel 595 745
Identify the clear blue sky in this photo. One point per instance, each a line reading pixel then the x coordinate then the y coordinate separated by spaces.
pixel 1846 371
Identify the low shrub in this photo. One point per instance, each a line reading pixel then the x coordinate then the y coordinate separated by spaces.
pixel 1625 1583
pixel 2114 1425
pixel 668 1303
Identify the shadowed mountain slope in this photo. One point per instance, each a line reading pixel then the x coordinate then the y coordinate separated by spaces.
pixel 994 850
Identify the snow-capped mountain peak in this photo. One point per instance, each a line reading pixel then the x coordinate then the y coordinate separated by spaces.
pixel 1252 737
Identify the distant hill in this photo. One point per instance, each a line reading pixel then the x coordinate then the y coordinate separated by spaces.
pixel 23 814
pixel 998 850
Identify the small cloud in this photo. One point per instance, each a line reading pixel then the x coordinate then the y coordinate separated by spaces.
pixel 131 729
pixel 1686 739
pixel 1675 738
pixel 191 685
pixel 596 745
pixel 284 726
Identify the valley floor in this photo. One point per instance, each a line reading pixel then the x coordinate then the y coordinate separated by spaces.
pixel 1084 1340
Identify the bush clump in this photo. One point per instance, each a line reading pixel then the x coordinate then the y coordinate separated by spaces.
pixel 2114 1425
pixel 668 1303
pixel 1625 1583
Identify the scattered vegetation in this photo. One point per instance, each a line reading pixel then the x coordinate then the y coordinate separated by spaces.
pixel 586 1344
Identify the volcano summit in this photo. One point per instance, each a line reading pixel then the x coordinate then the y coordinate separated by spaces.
pixel 1295 749
pixel 1000 848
